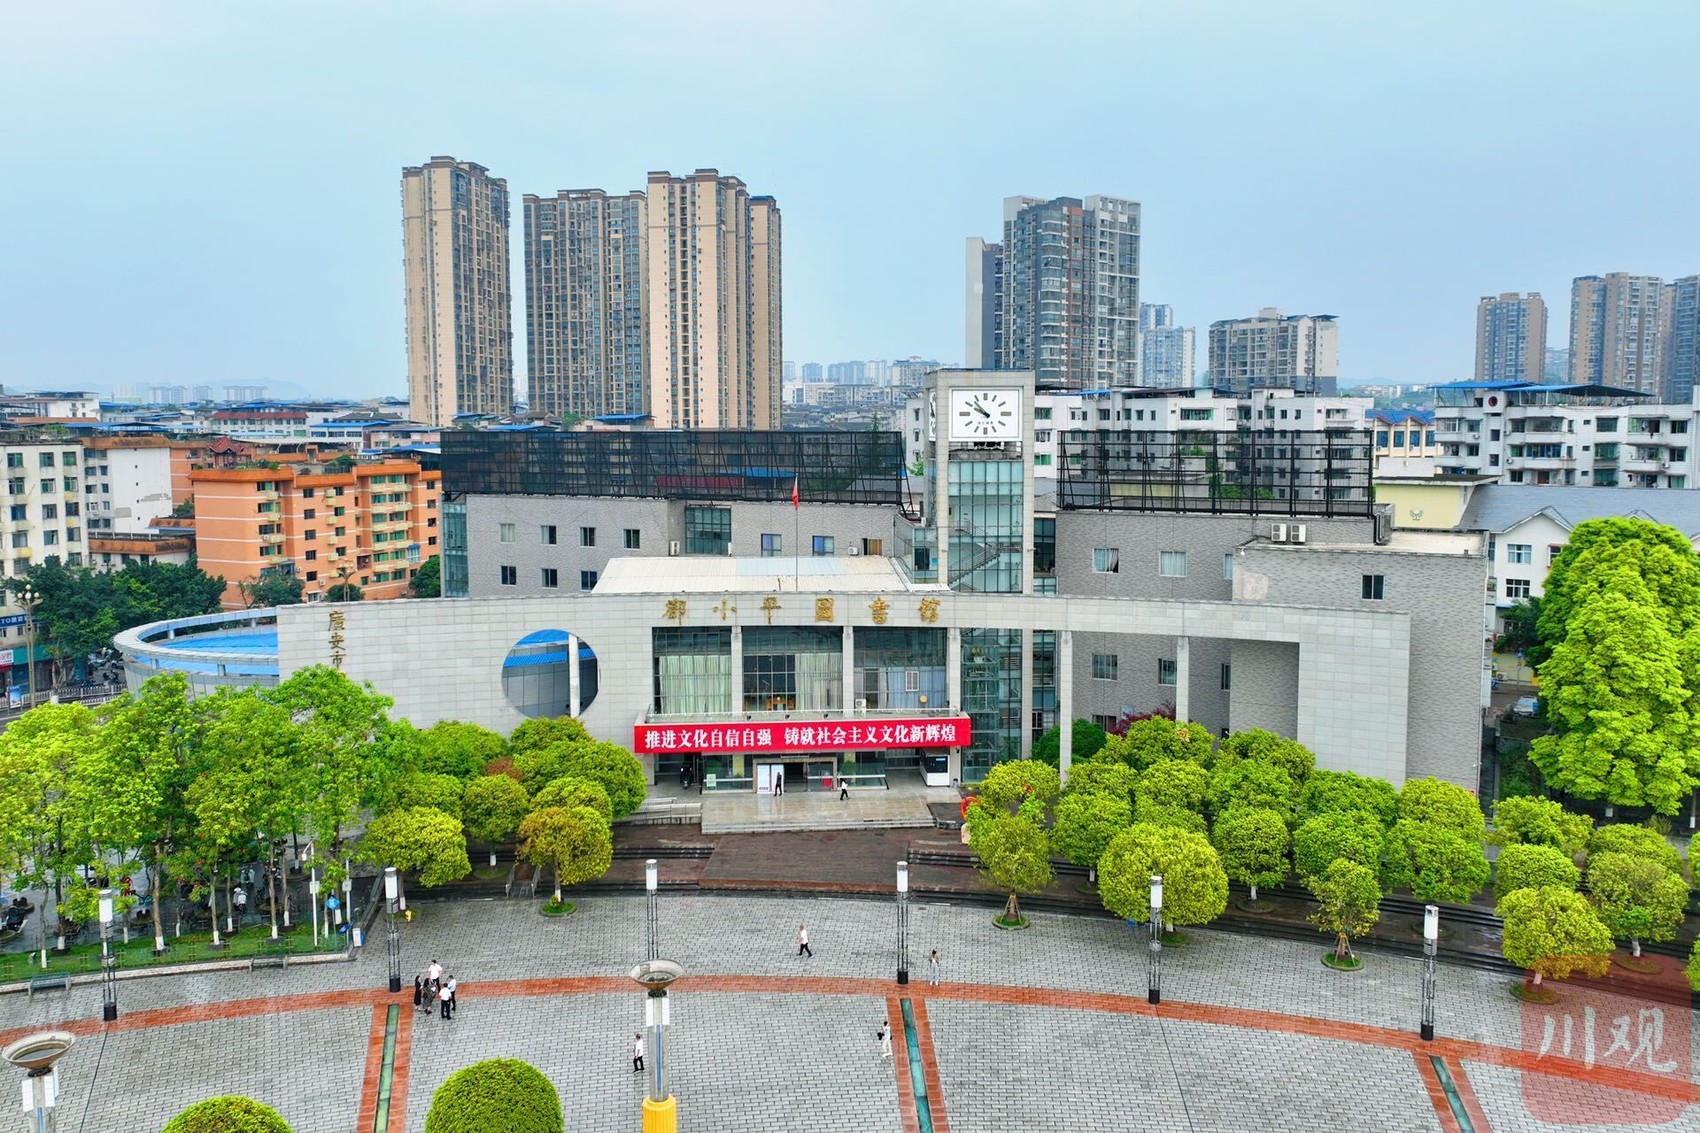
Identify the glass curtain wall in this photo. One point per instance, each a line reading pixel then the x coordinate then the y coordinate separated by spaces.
pixel 896 666
pixel 693 670
pixel 457 576
pixel 985 522
pixel 793 668
pixel 1044 681
pixel 991 696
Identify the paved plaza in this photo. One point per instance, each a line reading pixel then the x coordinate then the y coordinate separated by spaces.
pixel 1047 1029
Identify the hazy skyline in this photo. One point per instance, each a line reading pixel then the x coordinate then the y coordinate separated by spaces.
pixel 204 193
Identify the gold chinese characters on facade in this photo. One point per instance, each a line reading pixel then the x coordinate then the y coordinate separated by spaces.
pixel 879 608
pixel 725 608
pixel 823 609
pixel 675 611
pixel 768 605
pixel 929 610
pixel 338 624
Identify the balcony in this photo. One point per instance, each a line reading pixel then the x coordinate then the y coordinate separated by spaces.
pixel 269 495
pixel 272 540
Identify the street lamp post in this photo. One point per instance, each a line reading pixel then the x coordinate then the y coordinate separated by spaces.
pixel 660 1109
pixel 27 599
pixel 37 1054
pixel 903 922
pixel 1154 983
pixel 392 898
pixel 652 926
pixel 108 962
pixel 1431 940
pixel 313 893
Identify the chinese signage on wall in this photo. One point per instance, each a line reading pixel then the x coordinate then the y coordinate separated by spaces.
pixel 803 735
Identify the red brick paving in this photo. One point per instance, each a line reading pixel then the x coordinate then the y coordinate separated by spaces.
pixel 930 1065
pixel 1436 1093
pixel 900 1066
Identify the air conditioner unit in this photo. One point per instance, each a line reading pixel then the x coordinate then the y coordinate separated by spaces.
pixel 1297 532
pixel 673 547
pixel 855 550
pixel 861 704
pixel 1277 532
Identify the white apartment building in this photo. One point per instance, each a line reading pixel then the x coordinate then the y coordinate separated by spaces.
pixel 126 483
pixel 1570 435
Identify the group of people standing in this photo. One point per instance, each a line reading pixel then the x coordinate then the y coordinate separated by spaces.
pixel 432 991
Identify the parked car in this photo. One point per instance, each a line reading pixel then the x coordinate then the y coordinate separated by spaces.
pixel 1526 706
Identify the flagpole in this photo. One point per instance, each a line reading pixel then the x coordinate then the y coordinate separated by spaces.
pixel 796 528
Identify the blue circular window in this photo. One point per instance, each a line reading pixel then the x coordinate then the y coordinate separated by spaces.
pixel 537 674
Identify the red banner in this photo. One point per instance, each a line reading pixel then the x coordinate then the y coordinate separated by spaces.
pixel 803 735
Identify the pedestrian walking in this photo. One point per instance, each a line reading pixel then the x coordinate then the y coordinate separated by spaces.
pixel 454 1003
pixel 443 1007
pixel 803 948
pixel 933 968
pixel 884 1036
pixel 843 788
pixel 434 975
pixel 418 991
pixel 779 783
pixel 637 1053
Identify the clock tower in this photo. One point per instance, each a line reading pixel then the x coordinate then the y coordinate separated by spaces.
pixel 979 492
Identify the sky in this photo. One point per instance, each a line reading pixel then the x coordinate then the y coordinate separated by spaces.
pixel 209 193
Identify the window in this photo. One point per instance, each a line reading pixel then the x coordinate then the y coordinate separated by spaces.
pixel 1553 550
pixel 310 513
pixel 1228 568
pixel 306 493
pixel 312 576
pixel 548 535
pixel 50 511
pixel 505 532
pixel 822 544
pixel 1373 586
pixel 311 556
pixel 47 487
pixel 1106 560
pixel 1519 553
pixel 14 460
pixel 708 530
pixel 1105 722
pixel 46 460
pixel 875 547
pixel 51 537
pixel 20 511
pixel 1171 564
pixel 551 578
pixel 1104 666
pixel 634 538
pixel 1227 676
pixel 771 545
pixel 587 536
pixel 587 580
pixel 1517 587
pixel 1166 672
pixel 510 576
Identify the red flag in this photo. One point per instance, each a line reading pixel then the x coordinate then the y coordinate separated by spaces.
pixel 796 501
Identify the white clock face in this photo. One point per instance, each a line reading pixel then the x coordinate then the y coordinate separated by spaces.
pixel 985 414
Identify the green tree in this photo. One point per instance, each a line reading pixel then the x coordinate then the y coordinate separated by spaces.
pixel 1102 777
pixel 1195 887
pixel 1661 557
pixel 546 731
pixel 271 588
pixel 344 591
pixel 1253 784
pixel 1253 846
pixel 1616 692
pixel 1088 741
pixel 1522 866
pixel 352 755
pixel 427 581
pixel 44 844
pixel 185 509
pixel 1339 792
pixel 1637 898
pixel 1553 932
pixel 1638 841
pixel 1319 842
pixel 1174 782
pixel 575 842
pixel 493 807
pixel 451 747
pixel 1693 969
pixel 1015 856
pixel 1297 760
pixel 1348 903
pixel 1158 737
pixel 78 609
pixel 426 788
pixel 1013 782
pixel 1539 822
pixel 1443 805
pixel 570 791
pixel 1179 818
pixel 1435 863
pixel 500 1095
pixel 419 839
pixel 1522 628
pixel 617 771
pixel 229 1114
pixel 1085 823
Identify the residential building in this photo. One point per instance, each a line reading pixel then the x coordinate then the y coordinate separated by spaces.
pixel 126 483
pixel 1300 352
pixel 49 406
pixel 459 309
pixel 1403 434
pixel 1511 337
pixel 1682 340
pixel 1617 326
pixel 40 518
pixel 117 551
pixel 1565 435
pixel 371 525
pixel 584 303
pixel 1060 295
pixel 714 312
pixel 1165 350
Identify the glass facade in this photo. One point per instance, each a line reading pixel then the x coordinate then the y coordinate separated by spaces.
pixel 708 530
pixel 537 675
pixel 457 575
pixel 900 669
pixel 793 668
pixel 984 515
pixel 991 697
pixel 693 670
pixel 1044 681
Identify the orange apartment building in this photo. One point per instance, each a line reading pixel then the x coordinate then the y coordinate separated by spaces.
pixel 372 525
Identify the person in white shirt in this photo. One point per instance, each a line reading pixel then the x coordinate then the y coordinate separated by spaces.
pixel 637 1053
pixel 885 1041
pixel 803 943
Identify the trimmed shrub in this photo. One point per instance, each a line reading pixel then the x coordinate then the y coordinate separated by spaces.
pixel 1320 841
pixel 1533 867
pixel 1101 777
pixel 1539 822
pixel 1338 792
pixel 425 788
pixel 616 770
pixel 1442 804
pixel 1637 841
pixel 1297 760
pixel 501 1095
pixel 451 747
pixel 229 1114
pixel 570 791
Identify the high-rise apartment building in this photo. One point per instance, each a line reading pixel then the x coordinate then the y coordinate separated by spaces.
pixel 1165 350
pixel 1617 331
pixel 1511 337
pixel 1300 352
pixel 714 315
pixel 1060 295
pixel 584 302
pixel 459 306
pixel 1682 339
